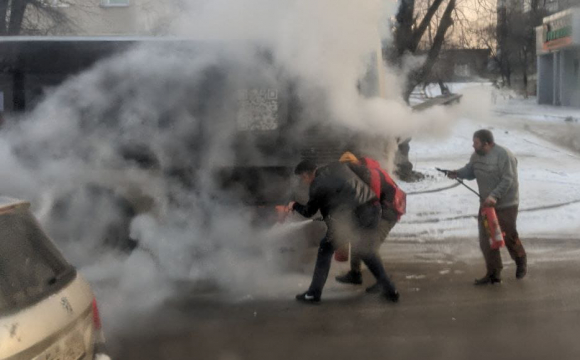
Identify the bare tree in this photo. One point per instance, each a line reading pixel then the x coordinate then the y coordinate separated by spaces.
pixel 516 41
pixel 414 20
pixel 33 17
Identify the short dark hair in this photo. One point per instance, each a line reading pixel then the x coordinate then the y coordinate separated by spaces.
pixel 305 166
pixel 484 135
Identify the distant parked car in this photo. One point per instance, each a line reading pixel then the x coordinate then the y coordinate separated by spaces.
pixel 47 310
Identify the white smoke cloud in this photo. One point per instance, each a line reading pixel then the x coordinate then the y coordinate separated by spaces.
pixel 327 45
pixel 177 103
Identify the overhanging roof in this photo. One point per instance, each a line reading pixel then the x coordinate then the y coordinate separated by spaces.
pixel 66 54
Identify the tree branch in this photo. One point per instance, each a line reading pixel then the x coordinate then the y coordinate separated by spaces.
pixel 3 14
pixel 17 11
pixel 417 76
pixel 420 30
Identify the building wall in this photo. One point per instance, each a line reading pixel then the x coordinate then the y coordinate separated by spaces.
pixel 558 50
pixel 114 17
pixel 461 65
pixel 571 78
pixel 551 6
pixel 559 78
pixel 6 90
pixel 546 79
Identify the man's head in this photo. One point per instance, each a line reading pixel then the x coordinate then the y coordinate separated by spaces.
pixel 483 141
pixel 306 170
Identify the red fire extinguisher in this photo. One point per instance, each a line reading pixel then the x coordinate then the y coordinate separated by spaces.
pixel 490 222
pixel 341 254
pixel 492 228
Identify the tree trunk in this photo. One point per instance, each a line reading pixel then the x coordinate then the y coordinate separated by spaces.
pixel 17 11
pixel 418 33
pixel 407 40
pixel 416 77
pixel 502 35
pixel 3 14
pixel 508 74
pixel 525 72
pixel 403 31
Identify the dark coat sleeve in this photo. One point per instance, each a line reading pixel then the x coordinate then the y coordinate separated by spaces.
pixel 316 198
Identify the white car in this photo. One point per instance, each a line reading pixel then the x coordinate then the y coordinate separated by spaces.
pixel 47 310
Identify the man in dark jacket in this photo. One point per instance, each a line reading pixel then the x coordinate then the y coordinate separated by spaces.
pixel 339 194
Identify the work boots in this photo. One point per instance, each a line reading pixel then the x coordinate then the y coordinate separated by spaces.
pixel 351 277
pixel 374 289
pixel 488 279
pixel 390 294
pixel 521 267
pixel 308 297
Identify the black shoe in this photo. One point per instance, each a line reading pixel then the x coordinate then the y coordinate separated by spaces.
pixel 521 267
pixel 308 298
pixel 375 289
pixel 488 279
pixel 392 295
pixel 350 277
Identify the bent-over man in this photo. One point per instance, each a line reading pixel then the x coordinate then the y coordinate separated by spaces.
pixel 347 205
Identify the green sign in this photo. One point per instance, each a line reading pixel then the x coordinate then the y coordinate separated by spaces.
pixel 559 33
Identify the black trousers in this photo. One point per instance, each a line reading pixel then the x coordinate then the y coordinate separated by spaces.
pixel 323 262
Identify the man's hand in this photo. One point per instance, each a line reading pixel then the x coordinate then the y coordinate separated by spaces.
pixel 290 206
pixel 490 201
pixel 452 174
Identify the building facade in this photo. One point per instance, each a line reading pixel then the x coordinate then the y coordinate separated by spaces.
pixel 551 6
pixel 108 17
pixel 558 59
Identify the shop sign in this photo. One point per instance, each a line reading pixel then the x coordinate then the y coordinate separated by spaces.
pixel 557 33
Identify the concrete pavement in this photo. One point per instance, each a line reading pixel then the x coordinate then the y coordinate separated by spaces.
pixel 441 315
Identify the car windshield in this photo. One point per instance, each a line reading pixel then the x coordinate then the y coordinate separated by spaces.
pixel 31 267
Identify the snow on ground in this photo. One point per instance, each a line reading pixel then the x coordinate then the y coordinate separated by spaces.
pixel 549 173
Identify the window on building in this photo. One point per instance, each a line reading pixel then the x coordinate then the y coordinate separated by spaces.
pixel 115 3
pixel 552 5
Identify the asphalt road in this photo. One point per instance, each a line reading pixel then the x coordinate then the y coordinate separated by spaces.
pixel 441 315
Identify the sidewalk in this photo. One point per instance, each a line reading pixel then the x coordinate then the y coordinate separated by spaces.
pixel 505 102
pixel 530 109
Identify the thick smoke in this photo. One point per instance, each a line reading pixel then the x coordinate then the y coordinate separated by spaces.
pixel 328 45
pixel 132 146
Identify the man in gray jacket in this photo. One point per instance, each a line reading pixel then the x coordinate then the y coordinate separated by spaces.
pixel 495 169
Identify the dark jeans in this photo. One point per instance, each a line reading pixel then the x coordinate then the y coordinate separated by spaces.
pixel 324 259
pixel 507 218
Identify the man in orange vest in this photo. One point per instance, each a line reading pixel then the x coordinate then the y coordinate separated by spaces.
pixel 371 240
pixel 346 202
